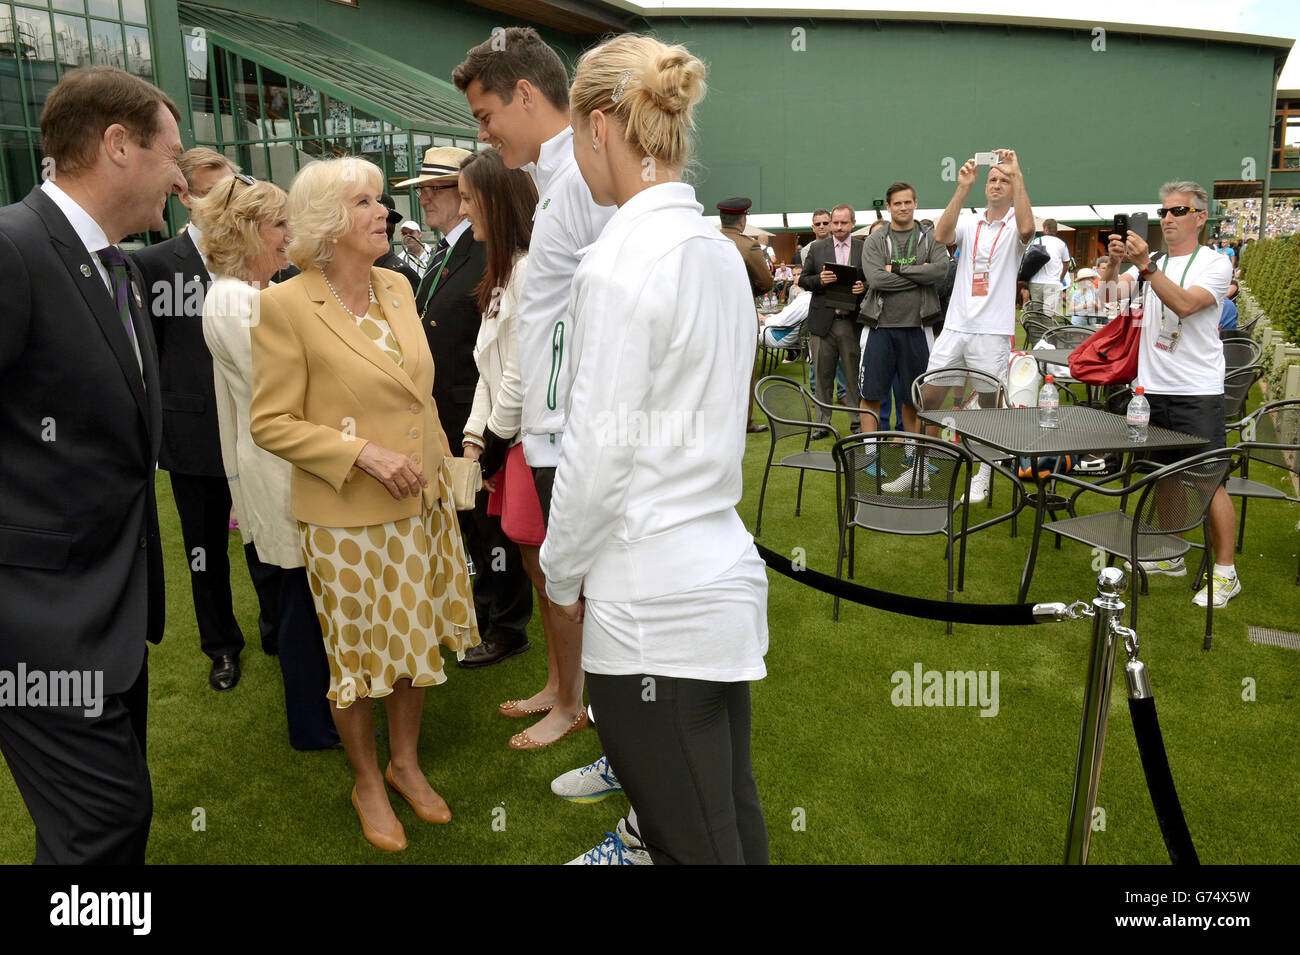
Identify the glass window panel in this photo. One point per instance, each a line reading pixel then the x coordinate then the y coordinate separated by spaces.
pixel 34 37
pixel 7 45
pixel 307 118
pixel 106 44
pixel 139 57
pixel 336 123
pixel 135 11
pixel 72 36
pixel 16 170
pixel 277 122
pixel 76 6
pixel 104 8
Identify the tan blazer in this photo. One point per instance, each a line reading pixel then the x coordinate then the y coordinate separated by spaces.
pixel 322 390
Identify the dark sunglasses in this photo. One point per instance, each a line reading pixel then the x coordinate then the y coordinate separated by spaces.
pixel 237 177
pixel 1176 211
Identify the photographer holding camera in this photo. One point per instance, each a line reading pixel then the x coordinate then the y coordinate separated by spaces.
pixel 1180 359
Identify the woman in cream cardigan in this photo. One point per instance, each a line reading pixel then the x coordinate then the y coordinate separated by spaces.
pixel 342 389
pixel 244 233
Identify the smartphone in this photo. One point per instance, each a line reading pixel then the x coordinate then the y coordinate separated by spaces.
pixel 987 159
pixel 1137 222
pixel 1121 225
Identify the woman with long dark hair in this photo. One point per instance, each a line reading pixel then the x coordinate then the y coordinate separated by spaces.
pixel 499 202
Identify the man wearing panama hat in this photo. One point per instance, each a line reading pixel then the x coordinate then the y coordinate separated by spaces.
pixel 448 307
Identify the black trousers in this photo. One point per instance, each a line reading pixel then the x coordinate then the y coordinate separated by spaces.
pixel 503 595
pixel 84 778
pixel 266 583
pixel 680 748
pixel 204 507
pixel 841 344
pixel 302 664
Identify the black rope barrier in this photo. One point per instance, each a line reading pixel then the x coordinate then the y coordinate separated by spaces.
pixel 1160 782
pixel 988 615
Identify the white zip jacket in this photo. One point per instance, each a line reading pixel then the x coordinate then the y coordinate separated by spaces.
pixel 498 396
pixel 644 502
pixel 566 220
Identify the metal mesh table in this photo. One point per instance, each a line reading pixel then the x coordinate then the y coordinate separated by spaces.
pixel 1082 429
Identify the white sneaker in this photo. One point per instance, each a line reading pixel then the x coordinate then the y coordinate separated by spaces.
pixel 1225 588
pixel 903 483
pixel 979 488
pixel 588 784
pixel 1169 568
pixel 619 848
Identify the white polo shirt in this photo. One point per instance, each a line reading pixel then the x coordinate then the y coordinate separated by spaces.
pixel 998 249
pixel 1195 366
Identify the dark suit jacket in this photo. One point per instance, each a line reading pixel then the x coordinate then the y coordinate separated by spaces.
pixel 175 282
pixel 392 262
pixel 81 584
pixel 450 318
pixel 815 255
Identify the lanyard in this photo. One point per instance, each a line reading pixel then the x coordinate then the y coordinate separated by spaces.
pixel 910 239
pixel 1164 309
pixel 975 255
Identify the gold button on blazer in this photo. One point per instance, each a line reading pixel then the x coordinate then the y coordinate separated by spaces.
pixel 322 390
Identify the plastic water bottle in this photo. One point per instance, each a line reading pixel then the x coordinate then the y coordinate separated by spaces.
pixel 1049 404
pixel 1139 415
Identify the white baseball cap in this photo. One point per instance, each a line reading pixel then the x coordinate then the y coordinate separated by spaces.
pixel 410 224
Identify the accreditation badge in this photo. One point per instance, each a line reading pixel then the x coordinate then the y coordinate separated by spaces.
pixel 979 283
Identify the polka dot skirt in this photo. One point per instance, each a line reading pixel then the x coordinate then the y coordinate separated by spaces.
pixel 389 595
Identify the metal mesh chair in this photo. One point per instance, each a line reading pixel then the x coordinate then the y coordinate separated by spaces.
pixel 1270 437
pixel 897 482
pixel 1067 336
pixel 1237 383
pixel 1241 331
pixel 973 380
pixel 1240 353
pixel 791 413
pixel 1035 329
pixel 1172 500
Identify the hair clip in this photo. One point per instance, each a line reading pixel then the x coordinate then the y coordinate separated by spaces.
pixel 622 85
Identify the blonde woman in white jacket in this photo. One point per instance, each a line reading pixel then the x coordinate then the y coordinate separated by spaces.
pixel 499 203
pixel 644 544
pixel 244 232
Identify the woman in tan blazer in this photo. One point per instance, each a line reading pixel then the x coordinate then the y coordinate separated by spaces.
pixel 343 384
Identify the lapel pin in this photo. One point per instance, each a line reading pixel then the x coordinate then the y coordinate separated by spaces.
pixel 395 305
pixel 85 270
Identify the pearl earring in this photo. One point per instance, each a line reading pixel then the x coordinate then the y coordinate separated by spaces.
pixel 593 147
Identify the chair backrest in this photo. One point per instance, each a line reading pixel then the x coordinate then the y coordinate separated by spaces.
pixel 1272 434
pixel 1240 352
pixel 934 467
pixel 788 406
pixel 1117 401
pixel 961 377
pixel 1067 336
pixel 1236 390
pixel 1241 331
pixel 1179 495
pixel 1035 329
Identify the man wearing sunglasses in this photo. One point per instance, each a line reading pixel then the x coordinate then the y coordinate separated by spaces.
pixel 176 280
pixel 1180 359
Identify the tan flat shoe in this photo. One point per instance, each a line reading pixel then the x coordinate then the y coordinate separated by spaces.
pixel 524 741
pixel 437 811
pixel 514 711
pixel 394 840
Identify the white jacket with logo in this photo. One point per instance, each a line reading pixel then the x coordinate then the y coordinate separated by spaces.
pixel 566 220
pixel 644 502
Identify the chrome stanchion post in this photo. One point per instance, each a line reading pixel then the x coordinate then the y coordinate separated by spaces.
pixel 1107 612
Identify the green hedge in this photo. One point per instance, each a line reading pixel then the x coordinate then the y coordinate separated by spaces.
pixel 1271 268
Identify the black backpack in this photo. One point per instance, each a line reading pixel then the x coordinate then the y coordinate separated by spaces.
pixel 1035 258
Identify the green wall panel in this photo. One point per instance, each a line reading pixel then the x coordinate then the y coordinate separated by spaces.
pixel 864 105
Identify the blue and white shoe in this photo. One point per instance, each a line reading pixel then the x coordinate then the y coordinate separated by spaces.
pixel 591 783
pixel 619 848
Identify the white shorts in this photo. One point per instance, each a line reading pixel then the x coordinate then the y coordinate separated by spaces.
pixel 981 351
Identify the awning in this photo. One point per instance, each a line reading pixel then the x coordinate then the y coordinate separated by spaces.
pixel 382 86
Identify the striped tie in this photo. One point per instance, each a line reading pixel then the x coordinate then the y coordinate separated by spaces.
pixel 115 262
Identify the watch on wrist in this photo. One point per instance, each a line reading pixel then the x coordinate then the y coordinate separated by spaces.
pixel 1151 267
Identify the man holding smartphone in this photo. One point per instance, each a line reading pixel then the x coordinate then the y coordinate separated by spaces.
pixel 981 317
pixel 1180 358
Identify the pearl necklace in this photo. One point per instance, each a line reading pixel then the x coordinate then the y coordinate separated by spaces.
pixel 335 293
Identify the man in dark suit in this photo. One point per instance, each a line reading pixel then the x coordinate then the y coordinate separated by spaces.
pixel 448 307
pixel 81 585
pixel 176 279
pixel 836 327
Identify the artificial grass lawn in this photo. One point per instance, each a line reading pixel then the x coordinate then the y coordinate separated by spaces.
pixel 844 775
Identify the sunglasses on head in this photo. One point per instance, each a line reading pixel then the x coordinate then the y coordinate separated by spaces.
pixel 1176 211
pixel 237 177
